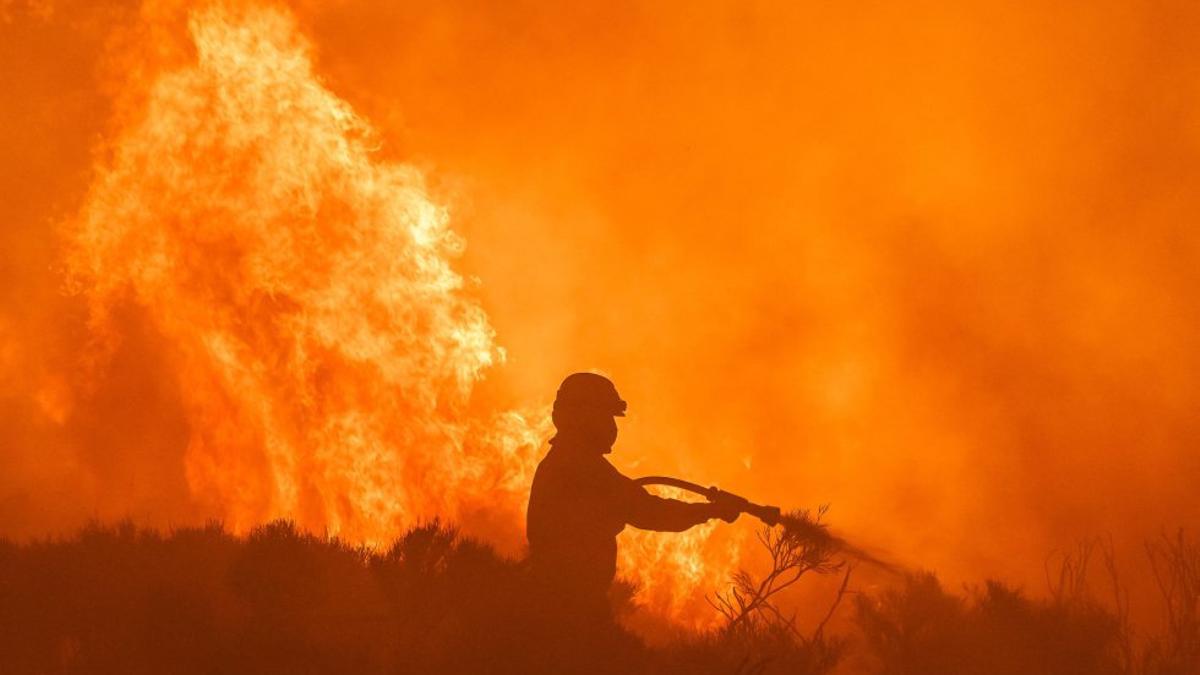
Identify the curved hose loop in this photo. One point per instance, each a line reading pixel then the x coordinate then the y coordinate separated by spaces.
pixel 768 514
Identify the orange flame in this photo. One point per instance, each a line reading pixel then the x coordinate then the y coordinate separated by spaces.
pixel 931 264
pixel 325 348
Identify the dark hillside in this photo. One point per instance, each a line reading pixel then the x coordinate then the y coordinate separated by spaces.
pixel 200 600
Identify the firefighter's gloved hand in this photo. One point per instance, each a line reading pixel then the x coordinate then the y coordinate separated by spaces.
pixel 725 508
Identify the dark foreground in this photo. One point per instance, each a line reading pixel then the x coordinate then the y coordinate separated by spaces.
pixel 128 601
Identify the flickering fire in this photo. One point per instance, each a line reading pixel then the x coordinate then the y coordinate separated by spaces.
pixel 931 264
pixel 323 344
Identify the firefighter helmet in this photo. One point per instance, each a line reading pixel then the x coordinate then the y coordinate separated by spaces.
pixel 589 392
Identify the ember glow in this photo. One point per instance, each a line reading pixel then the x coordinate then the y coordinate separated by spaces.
pixel 328 261
pixel 323 346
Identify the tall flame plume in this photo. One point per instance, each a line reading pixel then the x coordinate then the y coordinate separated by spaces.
pixel 324 348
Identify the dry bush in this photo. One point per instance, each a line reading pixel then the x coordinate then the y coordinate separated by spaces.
pixel 1068 580
pixel 1176 564
pixel 199 600
pixel 758 636
pixel 801 546
pixel 919 629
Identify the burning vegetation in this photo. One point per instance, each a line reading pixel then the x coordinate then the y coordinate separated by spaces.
pixel 119 599
pixel 943 279
pixel 324 348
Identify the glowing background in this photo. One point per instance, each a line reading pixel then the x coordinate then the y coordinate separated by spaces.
pixel 933 263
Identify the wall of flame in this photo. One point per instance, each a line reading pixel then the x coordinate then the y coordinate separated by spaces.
pixel 933 263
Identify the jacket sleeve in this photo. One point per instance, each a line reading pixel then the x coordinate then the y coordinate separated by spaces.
pixel 648 512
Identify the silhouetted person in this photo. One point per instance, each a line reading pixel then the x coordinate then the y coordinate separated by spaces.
pixel 579 503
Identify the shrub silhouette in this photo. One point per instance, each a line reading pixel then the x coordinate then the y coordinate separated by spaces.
pixel 1176 564
pixel 119 599
pixel 919 628
pixel 124 600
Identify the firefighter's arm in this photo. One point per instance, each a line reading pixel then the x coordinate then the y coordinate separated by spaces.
pixel 648 512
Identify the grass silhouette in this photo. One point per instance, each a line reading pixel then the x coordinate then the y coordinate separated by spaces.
pixel 120 599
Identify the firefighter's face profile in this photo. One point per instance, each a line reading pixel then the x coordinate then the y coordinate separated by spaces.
pixel 607 433
pixel 598 429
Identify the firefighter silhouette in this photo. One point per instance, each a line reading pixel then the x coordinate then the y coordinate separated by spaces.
pixel 579 503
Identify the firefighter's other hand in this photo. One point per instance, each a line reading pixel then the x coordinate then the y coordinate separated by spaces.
pixel 725 509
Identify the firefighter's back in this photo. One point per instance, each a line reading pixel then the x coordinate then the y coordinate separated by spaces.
pixel 572 523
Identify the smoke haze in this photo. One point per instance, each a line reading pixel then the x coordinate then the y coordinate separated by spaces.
pixel 933 264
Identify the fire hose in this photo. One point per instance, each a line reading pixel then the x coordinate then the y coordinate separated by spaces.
pixel 772 516
pixel 768 514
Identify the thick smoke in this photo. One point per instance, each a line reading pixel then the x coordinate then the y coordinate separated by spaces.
pixel 934 265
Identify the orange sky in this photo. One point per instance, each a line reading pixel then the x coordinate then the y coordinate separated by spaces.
pixel 933 264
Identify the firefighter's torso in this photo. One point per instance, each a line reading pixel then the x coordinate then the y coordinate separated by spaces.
pixel 576 510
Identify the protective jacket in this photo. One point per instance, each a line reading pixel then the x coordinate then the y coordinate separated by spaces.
pixel 578 505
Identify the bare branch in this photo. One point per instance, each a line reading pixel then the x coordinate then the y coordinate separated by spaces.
pixel 802 546
pixel 820 631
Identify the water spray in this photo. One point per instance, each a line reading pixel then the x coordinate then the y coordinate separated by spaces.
pixel 798 523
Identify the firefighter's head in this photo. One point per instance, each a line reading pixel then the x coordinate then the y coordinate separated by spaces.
pixel 585 410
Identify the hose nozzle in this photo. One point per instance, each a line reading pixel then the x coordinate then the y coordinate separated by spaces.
pixel 768 514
